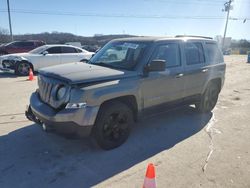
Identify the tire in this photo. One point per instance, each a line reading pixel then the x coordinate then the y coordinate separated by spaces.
pixel 208 99
pixel 22 68
pixel 112 126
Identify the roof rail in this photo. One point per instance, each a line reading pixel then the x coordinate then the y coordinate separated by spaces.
pixel 177 36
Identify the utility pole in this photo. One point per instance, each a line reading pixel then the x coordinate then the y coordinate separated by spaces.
pixel 227 8
pixel 9 20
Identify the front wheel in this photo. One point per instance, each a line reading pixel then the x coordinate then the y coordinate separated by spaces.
pixel 112 126
pixel 208 99
pixel 22 68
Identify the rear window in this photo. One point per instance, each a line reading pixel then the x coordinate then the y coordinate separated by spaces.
pixel 214 53
pixel 27 44
pixel 79 50
pixel 68 50
pixel 40 43
pixel 194 53
pixel 22 44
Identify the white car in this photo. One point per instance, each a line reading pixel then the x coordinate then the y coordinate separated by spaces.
pixel 43 56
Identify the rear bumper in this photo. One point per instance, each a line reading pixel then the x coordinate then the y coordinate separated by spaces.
pixel 79 121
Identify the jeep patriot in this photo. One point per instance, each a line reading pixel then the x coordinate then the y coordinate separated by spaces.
pixel 104 96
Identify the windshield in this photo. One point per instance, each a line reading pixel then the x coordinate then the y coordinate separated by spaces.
pixel 38 50
pixel 120 55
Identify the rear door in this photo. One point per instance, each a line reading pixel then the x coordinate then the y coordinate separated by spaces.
pixel 196 71
pixel 27 46
pixel 161 87
pixel 69 55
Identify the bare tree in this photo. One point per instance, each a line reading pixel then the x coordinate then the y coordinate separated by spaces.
pixel 4 35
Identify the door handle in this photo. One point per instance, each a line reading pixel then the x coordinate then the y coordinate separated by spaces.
pixel 179 75
pixel 204 70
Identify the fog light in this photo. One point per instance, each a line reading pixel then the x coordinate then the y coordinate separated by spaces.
pixel 76 105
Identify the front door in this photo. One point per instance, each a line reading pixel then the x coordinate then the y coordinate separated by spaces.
pixel 53 57
pixel 161 87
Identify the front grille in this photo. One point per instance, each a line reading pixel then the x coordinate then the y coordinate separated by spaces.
pixel 45 88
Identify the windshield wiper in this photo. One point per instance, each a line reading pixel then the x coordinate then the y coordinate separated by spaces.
pixel 105 65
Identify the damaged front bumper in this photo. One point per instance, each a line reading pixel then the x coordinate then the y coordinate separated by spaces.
pixel 7 65
pixel 67 121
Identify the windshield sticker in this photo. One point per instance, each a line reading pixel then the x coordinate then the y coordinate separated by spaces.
pixel 130 45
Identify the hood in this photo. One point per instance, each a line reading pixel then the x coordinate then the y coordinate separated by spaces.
pixel 81 73
pixel 10 56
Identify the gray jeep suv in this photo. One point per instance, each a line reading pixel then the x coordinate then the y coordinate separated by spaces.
pixel 126 78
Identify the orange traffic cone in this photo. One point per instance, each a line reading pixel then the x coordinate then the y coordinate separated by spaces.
pixel 31 75
pixel 149 181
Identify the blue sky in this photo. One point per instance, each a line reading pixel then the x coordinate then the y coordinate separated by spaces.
pixel 138 17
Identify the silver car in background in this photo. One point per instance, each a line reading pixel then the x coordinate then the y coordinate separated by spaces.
pixel 43 56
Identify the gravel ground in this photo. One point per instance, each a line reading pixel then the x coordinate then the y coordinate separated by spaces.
pixel 188 149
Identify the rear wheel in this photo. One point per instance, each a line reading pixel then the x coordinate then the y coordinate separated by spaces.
pixel 208 99
pixel 113 125
pixel 22 68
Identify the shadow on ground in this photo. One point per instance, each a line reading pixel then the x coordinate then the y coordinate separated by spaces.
pixel 11 74
pixel 7 75
pixel 32 158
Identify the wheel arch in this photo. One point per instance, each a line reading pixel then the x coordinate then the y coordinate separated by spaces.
pixel 26 61
pixel 217 81
pixel 23 61
pixel 129 100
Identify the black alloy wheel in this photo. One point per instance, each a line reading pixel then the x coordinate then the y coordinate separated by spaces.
pixel 208 99
pixel 113 124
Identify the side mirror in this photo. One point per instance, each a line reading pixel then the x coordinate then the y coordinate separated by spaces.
pixel 84 61
pixel 45 52
pixel 156 65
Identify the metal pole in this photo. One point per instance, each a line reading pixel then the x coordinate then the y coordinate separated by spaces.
pixel 227 9
pixel 9 20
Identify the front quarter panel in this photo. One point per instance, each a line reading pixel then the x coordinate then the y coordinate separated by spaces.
pixel 95 95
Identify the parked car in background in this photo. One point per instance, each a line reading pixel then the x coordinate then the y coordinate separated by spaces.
pixel 20 46
pixel 227 52
pixel 90 48
pixel 43 56
pixel 77 44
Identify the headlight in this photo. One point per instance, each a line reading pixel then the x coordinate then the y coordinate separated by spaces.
pixel 60 94
pixel 76 105
pixel 15 58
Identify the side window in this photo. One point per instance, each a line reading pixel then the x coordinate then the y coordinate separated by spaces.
pixel 22 44
pixel 68 50
pixel 27 44
pixel 16 44
pixel 214 53
pixel 79 50
pixel 170 53
pixel 194 53
pixel 54 50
